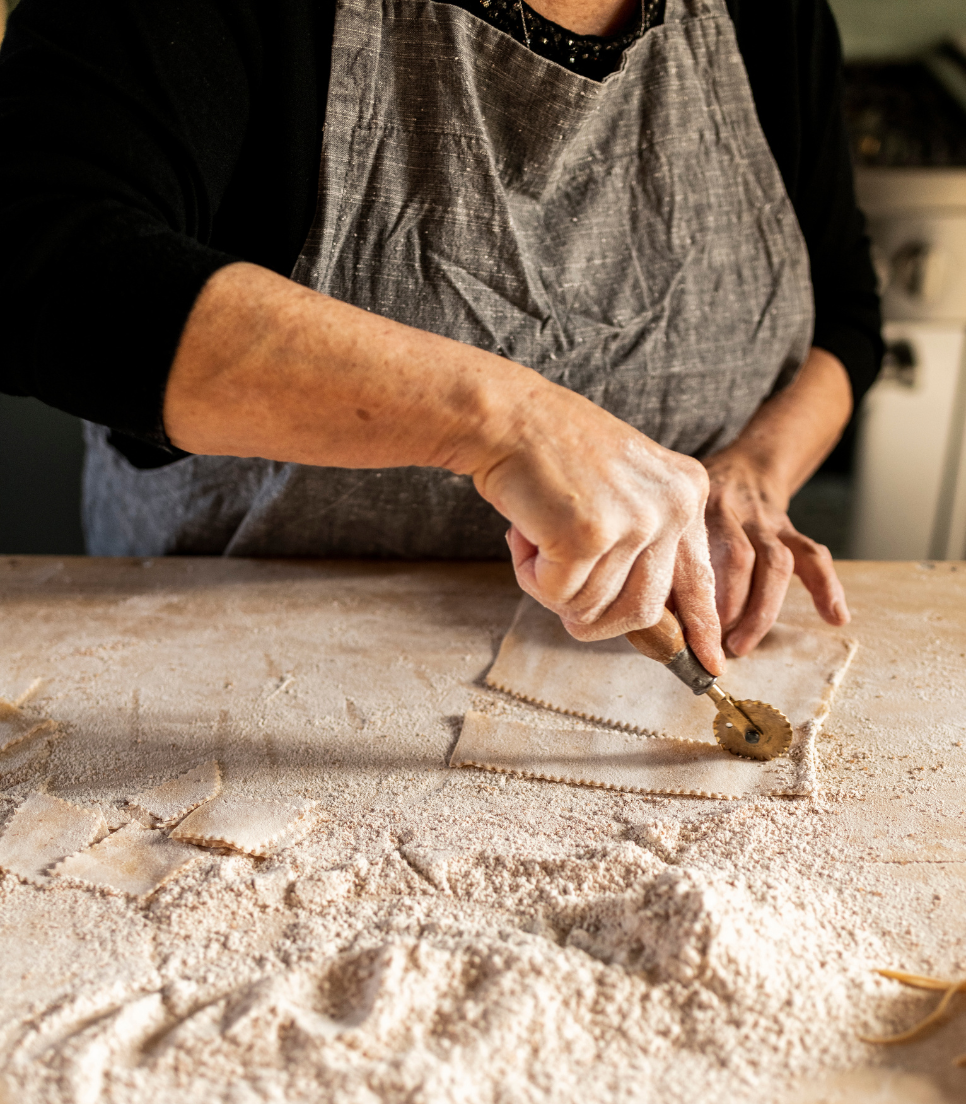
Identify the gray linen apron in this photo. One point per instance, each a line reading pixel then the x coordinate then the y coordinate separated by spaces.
pixel 630 239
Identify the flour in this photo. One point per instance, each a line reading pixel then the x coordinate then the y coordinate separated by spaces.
pixel 438 936
pixel 683 954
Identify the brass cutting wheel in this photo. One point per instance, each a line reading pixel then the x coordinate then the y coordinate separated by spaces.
pixel 754 731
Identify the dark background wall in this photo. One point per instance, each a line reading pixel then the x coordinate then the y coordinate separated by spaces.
pixel 40 463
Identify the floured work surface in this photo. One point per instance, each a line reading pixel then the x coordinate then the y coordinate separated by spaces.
pixel 435 934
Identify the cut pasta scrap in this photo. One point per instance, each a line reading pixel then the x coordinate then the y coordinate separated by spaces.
pixel 44 830
pixel 172 800
pixel 618 760
pixel 254 826
pixel 15 725
pixel 133 860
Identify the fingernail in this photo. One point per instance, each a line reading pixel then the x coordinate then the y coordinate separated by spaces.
pixel 841 612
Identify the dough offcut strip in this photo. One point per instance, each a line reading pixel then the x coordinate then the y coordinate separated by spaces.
pixel 617 760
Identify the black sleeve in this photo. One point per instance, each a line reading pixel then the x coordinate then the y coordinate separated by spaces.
pixel 793 57
pixel 144 147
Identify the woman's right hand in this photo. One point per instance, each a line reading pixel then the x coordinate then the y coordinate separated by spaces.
pixel 607 525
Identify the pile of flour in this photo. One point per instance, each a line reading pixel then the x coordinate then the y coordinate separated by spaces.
pixel 683 959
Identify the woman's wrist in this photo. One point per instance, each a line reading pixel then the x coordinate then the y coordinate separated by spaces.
pixel 739 464
pixel 490 412
pixel 791 433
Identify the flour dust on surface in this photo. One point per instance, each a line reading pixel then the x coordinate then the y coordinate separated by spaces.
pixel 405 933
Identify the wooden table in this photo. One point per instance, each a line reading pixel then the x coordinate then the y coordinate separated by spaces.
pixel 346 683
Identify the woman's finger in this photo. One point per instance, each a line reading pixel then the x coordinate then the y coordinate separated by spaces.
pixel 609 576
pixel 553 584
pixel 521 549
pixel 814 566
pixel 774 564
pixel 733 561
pixel 640 602
pixel 604 585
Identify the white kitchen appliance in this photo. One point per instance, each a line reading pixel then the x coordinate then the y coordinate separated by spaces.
pixel 910 476
pixel 909 498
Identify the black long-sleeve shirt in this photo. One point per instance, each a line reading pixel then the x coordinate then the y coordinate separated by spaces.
pixel 144 145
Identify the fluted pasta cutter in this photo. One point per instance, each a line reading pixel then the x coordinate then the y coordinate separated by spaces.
pixel 751 729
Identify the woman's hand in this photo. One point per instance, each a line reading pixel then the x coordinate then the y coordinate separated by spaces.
pixel 607 525
pixel 755 549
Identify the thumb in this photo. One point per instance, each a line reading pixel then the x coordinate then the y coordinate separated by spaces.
pixel 523 553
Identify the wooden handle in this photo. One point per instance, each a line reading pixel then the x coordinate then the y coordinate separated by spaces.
pixel 662 641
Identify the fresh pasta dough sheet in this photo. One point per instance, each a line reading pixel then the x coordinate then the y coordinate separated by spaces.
pixel 659 737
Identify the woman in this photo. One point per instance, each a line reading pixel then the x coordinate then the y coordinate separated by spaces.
pixel 541 257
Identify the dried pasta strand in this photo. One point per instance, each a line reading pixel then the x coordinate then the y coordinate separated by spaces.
pixel 917 981
pixel 913 1032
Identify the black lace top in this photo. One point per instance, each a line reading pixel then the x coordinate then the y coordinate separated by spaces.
pixel 589 55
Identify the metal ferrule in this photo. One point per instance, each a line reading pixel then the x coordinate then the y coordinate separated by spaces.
pixel 691 671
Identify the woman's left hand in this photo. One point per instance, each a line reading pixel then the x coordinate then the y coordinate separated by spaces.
pixel 755 549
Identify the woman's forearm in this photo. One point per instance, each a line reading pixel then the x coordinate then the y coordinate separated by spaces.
pixel 792 433
pixel 268 368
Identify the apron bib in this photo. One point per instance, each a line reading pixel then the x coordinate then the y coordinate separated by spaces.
pixel 630 239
